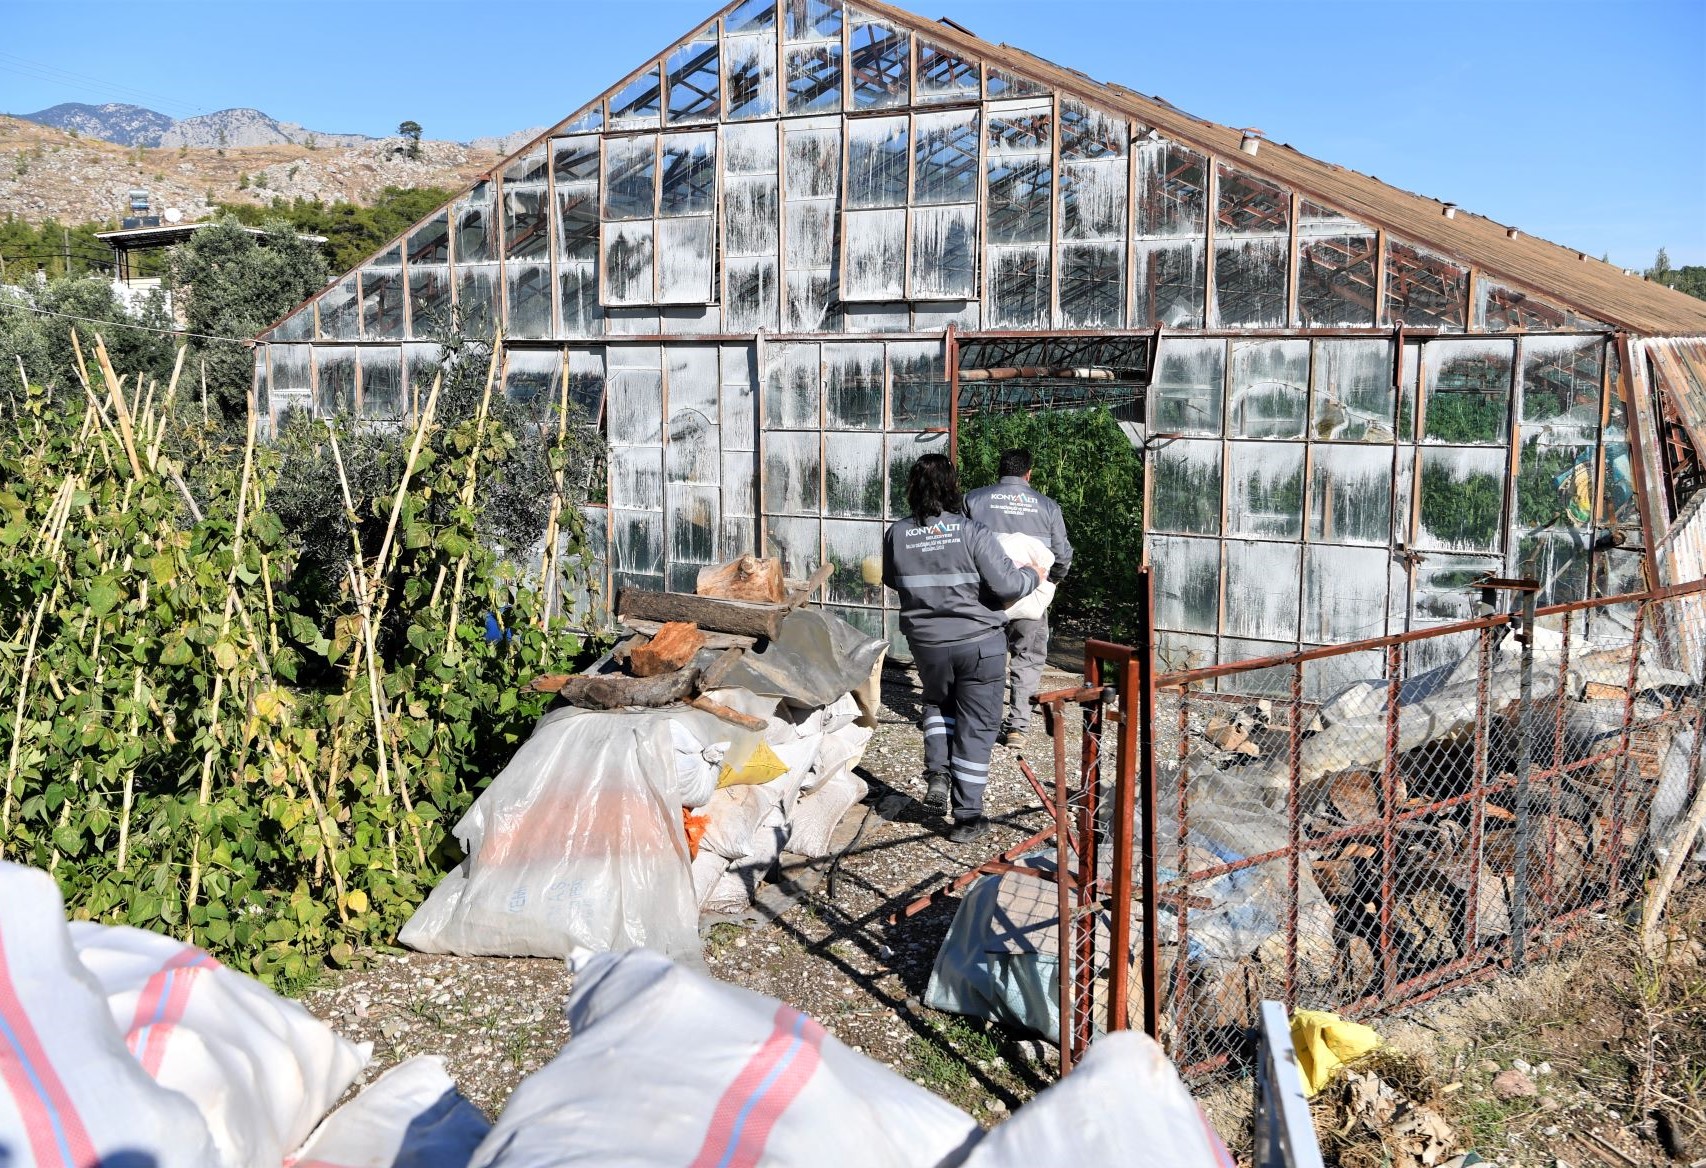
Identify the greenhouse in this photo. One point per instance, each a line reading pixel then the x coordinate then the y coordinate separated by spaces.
pixel 779 261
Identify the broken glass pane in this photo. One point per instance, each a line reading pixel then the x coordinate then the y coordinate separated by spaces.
pixel 856 550
pixel 1023 127
pixel 526 222
pixel 751 16
pixel 876 162
pixel 687 183
pixel 430 242
pixel 628 263
pixel 811 306
pixel 1188 388
pixel 1554 482
pixel 529 300
pixel 1249 281
pixel 586 384
pixel 693 89
pixel 630 177
pixel 944 75
pixel 904 451
pixel 693 523
pixel 811 20
pixel 1350 495
pixel 853 388
pixel 1003 83
pixel 1264 489
pixel 853 472
pixel 1345 593
pixel 1170 280
pixel 1249 205
pixel 876 255
pixel 814 162
pixel 944 254
pixel 1019 286
pixel 1461 493
pixel 382 382
pixel 879 60
pixel 1187 583
pixel 634 404
pixel 945 157
pixel 1092 285
pixel 752 295
pixel 685 261
pixel 1317 219
pixel 340 315
pixel 1335 280
pixel 793 376
pixel 588 120
pixel 1091 133
pixel 1185 488
pixel 1270 388
pixel 334 381
pixel 792 467
pixel 381 303
pixel 1424 291
pixel 636 105
pixel 749 216
pixel 1559 560
pixel 577 221
pixel 1262 589
pixel 581 313
pixel 1445 592
pixel 814 78
pixel 1353 391
pixel 919 390
pixel 751 65
pixel 1468 391
pixel 1561 385
pixel 1093 200
pixel 532 379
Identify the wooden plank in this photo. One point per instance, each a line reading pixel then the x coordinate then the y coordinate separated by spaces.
pixel 675 644
pixel 746 721
pixel 819 578
pixel 649 628
pixel 724 616
pixel 610 691
pixel 713 676
pixel 748 578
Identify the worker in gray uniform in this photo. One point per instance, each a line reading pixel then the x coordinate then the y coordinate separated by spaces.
pixel 1013 505
pixel 954 582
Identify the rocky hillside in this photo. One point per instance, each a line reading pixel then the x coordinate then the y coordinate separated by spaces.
pixel 48 173
pixel 128 125
pixel 134 125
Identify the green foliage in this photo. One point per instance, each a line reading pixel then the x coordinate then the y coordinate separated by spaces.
pixel 1084 461
pixel 1689 279
pixel 412 131
pixel 43 342
pixel 190 749
pixel 24 246
pixel 352 232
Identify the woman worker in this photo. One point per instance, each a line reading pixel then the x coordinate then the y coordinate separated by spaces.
pixel 954 581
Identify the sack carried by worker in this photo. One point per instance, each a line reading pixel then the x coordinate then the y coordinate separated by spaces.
pixel 1028 549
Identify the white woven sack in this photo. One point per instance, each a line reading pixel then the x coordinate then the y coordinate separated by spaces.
pixel 818 814
pixel 70 1093
pixel 732 816
pixel 1027 549
pixel 412 1116
pixel 261 1069
pixel 708 869
pixel 843 749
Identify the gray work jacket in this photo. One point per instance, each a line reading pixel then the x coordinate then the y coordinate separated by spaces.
pixel 953 579
pixel 1013 505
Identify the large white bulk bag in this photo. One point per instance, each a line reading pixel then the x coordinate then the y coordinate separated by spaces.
pixel 1028 549
pixel 71 1095
pixel 412 1116
pixel 668 1067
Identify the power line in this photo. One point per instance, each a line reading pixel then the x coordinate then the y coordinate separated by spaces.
pixel 141 328
pixel 42 71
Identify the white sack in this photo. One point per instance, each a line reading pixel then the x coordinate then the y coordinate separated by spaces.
pixel 261 1069
pixel 412 1116
pixel 708 869
pixel 1123 1104
pixel 843 749
pixel 739 883
pixel 1028 549
pixel 732 815
pixel 669 1068
pixel 817 814
pixel 578 843
pixel 70 1093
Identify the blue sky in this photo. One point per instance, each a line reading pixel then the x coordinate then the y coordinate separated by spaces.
pixel 1582 122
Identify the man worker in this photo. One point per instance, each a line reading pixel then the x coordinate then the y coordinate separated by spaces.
pixel 954 582
pixel 1013 505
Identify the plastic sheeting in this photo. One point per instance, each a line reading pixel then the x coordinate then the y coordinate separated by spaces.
pixel 816 660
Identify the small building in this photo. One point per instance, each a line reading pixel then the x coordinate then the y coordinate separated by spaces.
pixel 146 235
pixel 776 261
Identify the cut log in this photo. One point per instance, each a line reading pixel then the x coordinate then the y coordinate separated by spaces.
pixel 713 640
pixel 748 578
pixel 673 647
pixel 725 616
pixel 612 691
pixel 719 669
pixel 809 589
pixel 548 683
pixel 745 721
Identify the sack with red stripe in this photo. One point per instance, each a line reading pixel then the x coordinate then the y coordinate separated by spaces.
pixel 412 1116
pixel 71 1095
pixel 669 1067
pixel 262 1069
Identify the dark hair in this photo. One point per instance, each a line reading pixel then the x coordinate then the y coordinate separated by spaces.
pixel 1014 464
pixel 933 487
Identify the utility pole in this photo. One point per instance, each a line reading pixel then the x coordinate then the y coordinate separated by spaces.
pixel 67 232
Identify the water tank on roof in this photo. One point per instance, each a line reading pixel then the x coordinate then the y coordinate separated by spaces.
pixel 139 200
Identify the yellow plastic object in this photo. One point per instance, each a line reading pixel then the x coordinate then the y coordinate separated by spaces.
pixel 1325 1042
pixel 760 766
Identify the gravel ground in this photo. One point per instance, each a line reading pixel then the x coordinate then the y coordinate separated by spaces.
pixel 496 1020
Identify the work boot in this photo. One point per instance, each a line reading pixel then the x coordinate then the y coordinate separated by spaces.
pixel 935 790
pixel 1012 737
pixel 969 830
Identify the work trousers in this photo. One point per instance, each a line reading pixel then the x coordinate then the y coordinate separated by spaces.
pixel 962 713
pixel 1027 650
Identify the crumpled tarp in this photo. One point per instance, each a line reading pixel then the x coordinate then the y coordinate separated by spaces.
pixel 816 658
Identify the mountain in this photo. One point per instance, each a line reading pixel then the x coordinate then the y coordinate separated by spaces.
pixel 248 127
pixel 128 125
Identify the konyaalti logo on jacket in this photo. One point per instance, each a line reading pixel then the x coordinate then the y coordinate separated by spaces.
pixel 937 534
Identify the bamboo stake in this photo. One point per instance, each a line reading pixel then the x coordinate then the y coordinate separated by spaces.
pixel 204 395
pixel 166 409
pixel 470 479
pixel 121 408
pixel 548 570
pixel 129 779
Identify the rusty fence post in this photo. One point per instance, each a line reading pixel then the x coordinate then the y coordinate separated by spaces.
pixel 1388 809
pixel 1137 770
pixel 1524 752
pixel 1619 786
pixel 1062 885
pixel 1294 833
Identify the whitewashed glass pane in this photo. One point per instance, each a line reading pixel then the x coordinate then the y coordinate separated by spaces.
pixel 810 303
pixel 1264 489
pixel 1353 391
pixel 527 215
pixel 636 477
pixel 580 312
pixel 1561 386
pixel 945 160
pixel 794 541
pixel 630 177
pixel 813 163
pixel 749 216
pixel 856 550
pixel 1468 391
pixel 944 252
pixel 1093 199
pixel 533 381
pixel 1171 283
pixel 638 104
pixel 429 301
pixel 737 397
pixel 944 75
pixel 693 522
pixel 1172 191
pixel 586 384
pixel 334 381
pixel 340 312
pixel 1018 200
pixel 740 483
pixel 381 303
pixel 1445 592
pixel 1086 132
pixel 750 149
pixel 382 382
pixel 477 298
pixel 1345 593
pixel 635 406
pixel 575 160
pixel 1188 388
pixel 811 234
pixel 430 242
pixel 1187 583
pixel 918 390
pixel 853 386
pixel 687 182
pixel 637 543
pixel 475 234
pixel 1350 495
pixel 904 450
pixel 529 300
pixel 812 74
pixel 1184 487
pixel 1461 498
pixel 792 380
pixel 628 263
pixel 738 536
pixel 750 71
pixel 1019 286
pixel 1249 281
pixel 853 474
pixel 876 162
pixel 752 297
pixel 792 468
pixel 1092 285
pixel 1270 389
pixel 685 260
pixel 1262 587
pixel 876 255
pixel 811 20
pixel 1335 281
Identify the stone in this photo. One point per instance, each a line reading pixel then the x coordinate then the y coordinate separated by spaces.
pixel 1490 1067
pixel 1513 1084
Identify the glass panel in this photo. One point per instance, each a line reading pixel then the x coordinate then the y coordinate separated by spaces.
pixel 811 304
pixel 340 318
pixel 685 260
pixel 876 255
pixel 693 523
pixel 795 543
pixel 590 120
pixel 1554 483
pixel 1172 190
pixel 1462 498
pixel 586 382
pixel 919 385
pixel 1344 593
pixel 299 326
pixel 1188 387
pixel 751 16
pixel 1350 495
pixel 527 170
pixel 1559 560
pixel 1002 83
pixel 751 65
pixel 814 162
pixel 943 76
pixel 1092 285
pixel 636 106
pixel 529 301
pixel 1093 200
pixel 811 234
pixel 811 20
pixel 750 149
pixel 628 263
pixel 945 157
pixel 1499 309
pixel 382 382
pixel 1170 281
pixel 687 184
pixel 381 303
pixel 1270 389
pixel 1019 286
pixel 881 59
pixel 944 253
pixel 1249 205
pixel 752 296
pixel 904 450
pixel 1335 281
pixel 430 242
pixel 577 221
pixel 532 380
pixel 1249 281
pixel 1185 488
pixel 630 168
pixel 1423 291
pixel 814 78
pixel 635 405
pixel 853 387
pixel 474 234
pixel 578 304
pixel 792 379
pixel 477 298
pixel 1444 593
pixel 1018 198
pixel 739 484
pixel 1262 589
pixel 876 162
pixel 526 222
pixel 1264 494
pixel 421 364
pixel 1187 592
pixel 334 381
pixel 638 545
pixel 1091 133
pixel 1353 391
pixel 575 160
pixel 792 466
pixel 1468 391
pixel 856 550
pixel 1561 385
pixel 853 473
pixel 738 400
pixel 749 216
pixel 693 88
